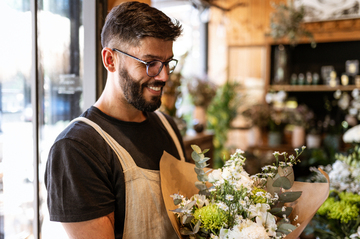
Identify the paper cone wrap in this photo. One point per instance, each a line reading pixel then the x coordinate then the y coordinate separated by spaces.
pixel 180 177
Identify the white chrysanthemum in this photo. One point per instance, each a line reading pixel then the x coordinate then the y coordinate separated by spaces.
pixel 340 172
pixel 247 229
pixel 215 175
pixel 226 174
pixel 245 181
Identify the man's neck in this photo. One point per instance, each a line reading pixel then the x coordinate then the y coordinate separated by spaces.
pixel 120 111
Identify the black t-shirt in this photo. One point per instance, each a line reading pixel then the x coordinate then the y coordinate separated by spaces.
pixel 84 177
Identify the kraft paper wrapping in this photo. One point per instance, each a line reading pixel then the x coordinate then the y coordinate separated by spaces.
pixel 180 177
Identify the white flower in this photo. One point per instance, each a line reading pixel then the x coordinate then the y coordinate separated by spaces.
pixel 200 200
pixel 357 234
pixel 245 181
pixel 229 197
pixel 352 135
pixel 222 206
pixel 247 229
pixel 215 175
pixel 226 174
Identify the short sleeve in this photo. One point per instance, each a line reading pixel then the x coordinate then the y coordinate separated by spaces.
pixel 78 182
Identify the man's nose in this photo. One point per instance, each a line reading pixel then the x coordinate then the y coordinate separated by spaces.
pixel 163 75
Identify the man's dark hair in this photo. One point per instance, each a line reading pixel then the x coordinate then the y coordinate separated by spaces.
pixel 130 22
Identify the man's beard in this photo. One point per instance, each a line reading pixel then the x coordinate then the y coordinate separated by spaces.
pixel 133 92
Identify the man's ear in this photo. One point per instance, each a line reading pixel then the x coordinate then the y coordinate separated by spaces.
pixel 108 59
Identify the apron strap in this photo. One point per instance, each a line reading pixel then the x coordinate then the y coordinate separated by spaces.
pixel 118 149
pixel 172 134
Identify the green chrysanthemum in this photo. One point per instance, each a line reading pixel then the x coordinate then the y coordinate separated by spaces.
pixel 211 216
pixel 350 197
pixel 344 210
pixel 258 195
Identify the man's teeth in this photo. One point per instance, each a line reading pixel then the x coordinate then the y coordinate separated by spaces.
pixel 155 88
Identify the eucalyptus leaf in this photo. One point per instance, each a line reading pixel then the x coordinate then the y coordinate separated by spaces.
pixel 289 196
pixel 203 178
pixel 178 210
pixel 185 219
pixel 195 156
pixel 209 171
pixel 203 165
pixel 185 231
pixel 286 228
pixel 197 226
pixel 196 148
pixel 204 160
pixel 282 182
pixel 287 172
pixel 205 151
pixel 200 185
pixel 204 192
pixel 177 201
pixel 269 185
pixel 189 205
pixel 199 171
pixel 279 212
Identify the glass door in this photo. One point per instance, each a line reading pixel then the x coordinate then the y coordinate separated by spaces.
pixel 16 144
pixel 41 90
pixel 60 72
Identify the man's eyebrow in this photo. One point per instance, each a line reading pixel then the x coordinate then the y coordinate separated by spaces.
pixel 157 57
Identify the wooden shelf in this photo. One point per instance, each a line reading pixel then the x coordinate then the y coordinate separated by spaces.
pixel 304 88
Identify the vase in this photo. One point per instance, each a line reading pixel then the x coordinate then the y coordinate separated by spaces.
pixel 313 141
pixel 274 138
pixel 298 137
pixel 254 136
pixel 199 116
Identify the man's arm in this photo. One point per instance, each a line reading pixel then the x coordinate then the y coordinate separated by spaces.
pixel 102 227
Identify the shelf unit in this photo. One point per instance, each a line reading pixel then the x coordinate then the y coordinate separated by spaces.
pixel 312 88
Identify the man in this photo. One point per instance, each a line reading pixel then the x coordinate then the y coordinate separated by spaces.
pixel 102 173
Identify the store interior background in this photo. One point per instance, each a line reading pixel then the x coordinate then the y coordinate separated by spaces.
pixel 226 43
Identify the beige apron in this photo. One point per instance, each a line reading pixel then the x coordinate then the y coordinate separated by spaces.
pixel 145 215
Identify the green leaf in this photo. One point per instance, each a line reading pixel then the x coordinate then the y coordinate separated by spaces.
pixel 204 160
pixel 189 205
pixel 287 172
pixel 205 151
pixel 186 218
pixel 209 171
pixel 196 148
pixel 203 178
pixel 199 171
pixel 195 156
pixel 185 231
pixel 289 196
pixel 197 226
pixel 200 185
pixel 286 228
pixel 204 192
pixel 277 211
pixel 179 210
pixel 177 201
pixel 282 182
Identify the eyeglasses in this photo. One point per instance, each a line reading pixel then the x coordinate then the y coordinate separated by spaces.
pixel 153 68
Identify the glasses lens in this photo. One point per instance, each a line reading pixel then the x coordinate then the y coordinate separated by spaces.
pixel 172 64
pixel 153 68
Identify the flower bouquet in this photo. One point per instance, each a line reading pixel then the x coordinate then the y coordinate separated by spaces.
pixel 339 216
pixel 228 203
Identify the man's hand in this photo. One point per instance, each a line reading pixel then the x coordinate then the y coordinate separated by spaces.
pixel 102 227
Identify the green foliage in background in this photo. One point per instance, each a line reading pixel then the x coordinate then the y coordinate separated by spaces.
pixel 220 113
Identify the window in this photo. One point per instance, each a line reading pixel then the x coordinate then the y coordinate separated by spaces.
pixel 41 89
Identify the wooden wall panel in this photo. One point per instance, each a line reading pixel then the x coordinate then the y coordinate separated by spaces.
pixel 248 24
